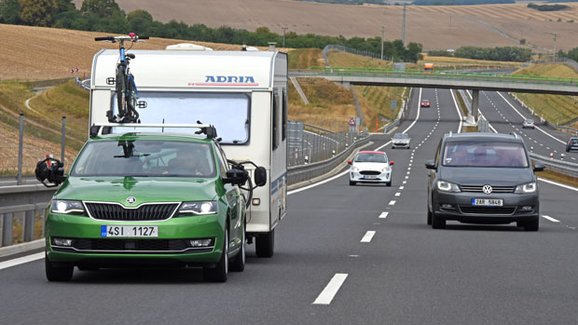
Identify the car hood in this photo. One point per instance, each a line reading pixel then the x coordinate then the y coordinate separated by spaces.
pixel 143 189
pixel 492 176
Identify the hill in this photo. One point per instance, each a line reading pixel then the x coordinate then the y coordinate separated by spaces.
pixel 436 27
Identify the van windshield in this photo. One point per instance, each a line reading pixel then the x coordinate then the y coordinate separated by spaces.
pixel 145 158
pixel 484 154
pixel 190 107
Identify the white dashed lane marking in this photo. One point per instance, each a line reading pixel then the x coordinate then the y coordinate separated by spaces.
pixel 327 295
pixel 368 236
pixel 383 215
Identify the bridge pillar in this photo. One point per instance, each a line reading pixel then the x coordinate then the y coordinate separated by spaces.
pixel 475 104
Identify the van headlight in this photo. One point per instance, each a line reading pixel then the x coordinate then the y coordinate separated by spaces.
pixel 199 207
pixel 526 188
pixel 67 207
pixel 447 186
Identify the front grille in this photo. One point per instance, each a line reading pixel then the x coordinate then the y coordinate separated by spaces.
pixel 147 212
pixel 488 210
pixel 495 189
pixel 369 172
pixel 129 244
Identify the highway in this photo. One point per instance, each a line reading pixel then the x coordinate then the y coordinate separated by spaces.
pixel 347 255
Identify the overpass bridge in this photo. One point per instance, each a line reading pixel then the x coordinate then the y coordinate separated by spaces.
pixel 470 81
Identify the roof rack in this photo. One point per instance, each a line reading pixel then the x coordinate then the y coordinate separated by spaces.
pixel 106 128
pixel 514 134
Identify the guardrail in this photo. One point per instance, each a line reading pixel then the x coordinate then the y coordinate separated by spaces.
pixel 556 165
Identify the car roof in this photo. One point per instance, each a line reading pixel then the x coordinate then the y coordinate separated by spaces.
pixel 481 136
pixel 372 152
pixel 155 136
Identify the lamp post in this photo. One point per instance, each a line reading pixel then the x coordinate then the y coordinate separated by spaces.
pixel 382 36
pixel 284 29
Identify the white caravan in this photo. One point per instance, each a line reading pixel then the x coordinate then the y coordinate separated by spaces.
pixel 242 93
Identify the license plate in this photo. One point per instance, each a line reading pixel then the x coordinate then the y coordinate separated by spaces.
pixel 370 177
pixel 488 202
pixel 129 231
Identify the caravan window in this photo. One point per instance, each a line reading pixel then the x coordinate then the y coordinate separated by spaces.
pixel 190 107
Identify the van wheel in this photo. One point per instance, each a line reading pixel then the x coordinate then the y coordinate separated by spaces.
pixel 238 262
pixel 429 217
pixel 438 222
pixel 264 245
pixel 218 273
pixel 60 273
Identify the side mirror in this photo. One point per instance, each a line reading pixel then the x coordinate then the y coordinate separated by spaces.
pixel 349 162
pixel 51 170
pixel 538 167
pixel 236 176
pixel 430 164
pixel 391 163
pixel 260 176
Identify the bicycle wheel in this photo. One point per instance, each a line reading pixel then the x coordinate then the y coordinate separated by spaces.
pixel 121 92
pixel 131 98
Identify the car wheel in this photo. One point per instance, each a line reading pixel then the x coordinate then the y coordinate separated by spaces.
pixel 429 217
pixel 388 184
pixel 438 222
pixel 238 262
pixel 352 183
pixel 57 273
pixel 532 225
pixel 264 245
pixel 218 273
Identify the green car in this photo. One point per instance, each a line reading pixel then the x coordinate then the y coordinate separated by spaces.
pixel 138 199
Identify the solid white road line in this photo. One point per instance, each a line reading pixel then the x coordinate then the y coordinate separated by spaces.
pixel 383 215
pixel 21 260
pixel 368 236
pixel 558 184
pixel 327 295
pixel 551 219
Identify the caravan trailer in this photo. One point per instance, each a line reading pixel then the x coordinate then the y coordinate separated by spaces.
pixel 238 100
pixel 242 93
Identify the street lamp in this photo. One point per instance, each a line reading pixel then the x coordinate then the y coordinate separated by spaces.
pixel 382 35
pixel 284 29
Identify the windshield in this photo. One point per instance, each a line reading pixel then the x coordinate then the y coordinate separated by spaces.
pixel 368 157
pixel 190 107
pixel 484 154
pixel 145 158
pixel 401 136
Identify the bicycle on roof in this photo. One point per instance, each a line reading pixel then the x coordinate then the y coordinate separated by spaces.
pixel 125 87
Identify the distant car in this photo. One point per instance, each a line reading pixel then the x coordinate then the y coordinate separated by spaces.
pixel 425 103
pixel 572 144
pixel 528 124
pixel 400 140
pixel 370 167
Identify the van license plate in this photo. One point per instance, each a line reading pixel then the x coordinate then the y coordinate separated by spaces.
pixel 129 231
pixel 488 202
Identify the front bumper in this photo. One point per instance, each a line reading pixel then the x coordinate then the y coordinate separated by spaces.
pixel 370 176
pixel 458 206
pixel 172 246
pixel 400 144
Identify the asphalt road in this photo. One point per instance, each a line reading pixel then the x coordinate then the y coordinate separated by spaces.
pixel 345 255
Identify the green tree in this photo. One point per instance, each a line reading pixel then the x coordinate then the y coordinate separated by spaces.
pixel 38 12
pixel 139 21
pixel 101 8
pixel 9 12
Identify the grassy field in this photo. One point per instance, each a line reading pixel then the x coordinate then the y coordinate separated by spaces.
pixel 556 109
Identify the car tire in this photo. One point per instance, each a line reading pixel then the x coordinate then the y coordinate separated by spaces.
pixel 429 217
pixel 388 184
pixel 264 245
pixel 438 222
pixel 532 225
pixel 352 183
pixel 57 273
pixel 237 263
pixel 218 273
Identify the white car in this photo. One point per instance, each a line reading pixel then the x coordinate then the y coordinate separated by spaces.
pixel 370 167
pixel 400 140
pixel 528 123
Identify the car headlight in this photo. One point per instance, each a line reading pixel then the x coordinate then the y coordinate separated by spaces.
pixel 354 169
pixel 199 207
pixel 526 188
pixel 385 169
pixel 67 207
pixel 447 186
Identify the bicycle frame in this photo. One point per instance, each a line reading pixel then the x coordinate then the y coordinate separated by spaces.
pixel 125 87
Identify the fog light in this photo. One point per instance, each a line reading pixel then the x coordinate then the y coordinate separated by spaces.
pixel 62 242
pixel 447 206
pixel 205 242
pixel 527 208
pixel 256 201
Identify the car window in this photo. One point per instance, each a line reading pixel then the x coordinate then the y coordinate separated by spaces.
pixel 484 154
pixel 365 157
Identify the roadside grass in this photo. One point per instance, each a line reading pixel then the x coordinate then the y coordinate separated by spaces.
pixel 305 59
pixel 556 109
pixel 461 63
pixel 558 177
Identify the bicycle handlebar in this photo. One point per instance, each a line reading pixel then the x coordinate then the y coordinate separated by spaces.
pixel 123 38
